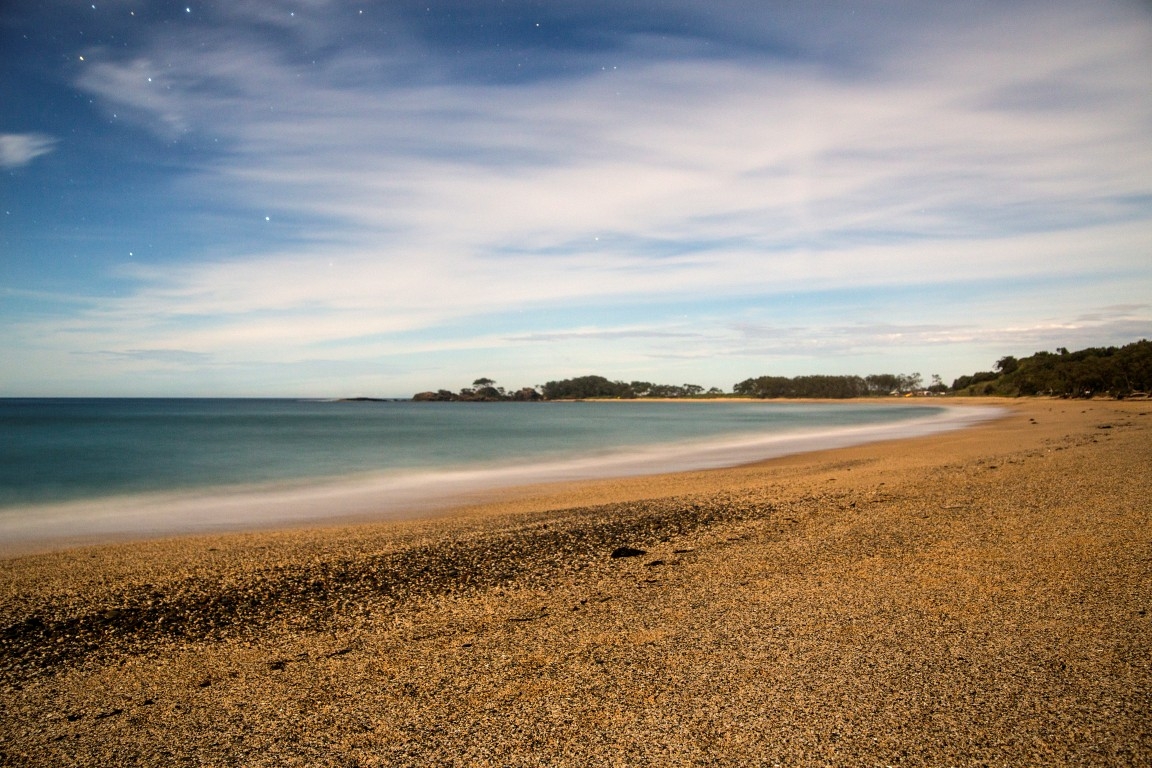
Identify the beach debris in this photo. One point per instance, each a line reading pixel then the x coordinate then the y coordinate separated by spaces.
pixel 280 664
pixel 626 552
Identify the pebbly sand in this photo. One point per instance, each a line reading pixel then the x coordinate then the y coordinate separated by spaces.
pixel 975 598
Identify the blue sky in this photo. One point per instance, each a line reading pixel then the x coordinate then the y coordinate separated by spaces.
pixel 322 198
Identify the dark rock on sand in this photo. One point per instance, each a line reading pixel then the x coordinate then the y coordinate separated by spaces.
pixel 627 552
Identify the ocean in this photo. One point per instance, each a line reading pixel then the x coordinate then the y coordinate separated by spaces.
pixel 93 467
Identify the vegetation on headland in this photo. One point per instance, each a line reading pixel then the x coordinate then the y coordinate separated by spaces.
pixel 483 390
pixel 1108 371
pixel 1097 371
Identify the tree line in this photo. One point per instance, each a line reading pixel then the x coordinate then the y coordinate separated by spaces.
pixel 583 387
pixel 579 388
pixel 593 387
pixel 483 390
pixel 1113 371
pixel 834 387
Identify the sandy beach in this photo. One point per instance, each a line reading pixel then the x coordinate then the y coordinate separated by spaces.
pixel 979 597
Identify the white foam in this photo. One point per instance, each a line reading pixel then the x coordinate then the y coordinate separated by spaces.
pixel 382 496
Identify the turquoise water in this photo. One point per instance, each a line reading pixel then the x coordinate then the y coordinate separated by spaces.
pixel 59 450
pixel 190 460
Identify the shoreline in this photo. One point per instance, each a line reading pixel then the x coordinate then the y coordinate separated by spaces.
pixel 979 596
pixel 390 497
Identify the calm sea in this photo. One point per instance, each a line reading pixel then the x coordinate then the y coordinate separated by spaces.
pixel 66 462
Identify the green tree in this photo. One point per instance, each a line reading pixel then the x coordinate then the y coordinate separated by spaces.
pixel 909 382
pixel 1007 364
pixel 585 387
pixel 882 383
pixel 641 388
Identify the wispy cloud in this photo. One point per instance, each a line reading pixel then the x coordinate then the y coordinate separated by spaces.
pixel 177 357
pixel 1095 330
pixel 749 162
pixel 20 149
pixel 584 334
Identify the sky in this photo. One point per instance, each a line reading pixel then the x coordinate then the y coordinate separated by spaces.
pixel 325 199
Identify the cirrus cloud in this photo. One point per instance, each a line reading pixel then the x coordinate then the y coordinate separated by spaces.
pixel 20 149
pixel 628 189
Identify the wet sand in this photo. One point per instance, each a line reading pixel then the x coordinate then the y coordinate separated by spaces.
pixel 976 597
